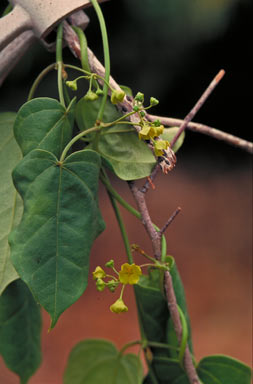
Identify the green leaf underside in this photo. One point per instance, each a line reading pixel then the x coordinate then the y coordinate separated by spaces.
pixel 51 246
pixel 44 123
pixel 217 369
pixel 154 310
pixel 129 157
pixel 168 135
pixel 20 328
pixel 157 324
pixel 98 361
pixel 10 203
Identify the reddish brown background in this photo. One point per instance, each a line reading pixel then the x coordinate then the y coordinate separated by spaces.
pixel 211 241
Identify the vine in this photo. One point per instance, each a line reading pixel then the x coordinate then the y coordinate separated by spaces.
pixel 50 241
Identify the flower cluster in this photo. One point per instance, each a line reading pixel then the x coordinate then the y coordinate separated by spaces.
pixel 150 130
pixel 128 274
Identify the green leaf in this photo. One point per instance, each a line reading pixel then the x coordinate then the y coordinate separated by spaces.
pixel 129 157
pixel 10 203
pixel 51 246
pixel 44 123
pixel 156 320
pixel 168 135
pixel 98 361
pixel 220 369
pixel 128 91
pixel 20 328
pixel 217 369
pixel 167 371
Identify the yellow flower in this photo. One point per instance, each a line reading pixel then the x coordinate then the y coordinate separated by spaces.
pixel 147 132
pixel 99 273
pixel 160 146
pixel 129 274
pixel 150 131
pixel 119 306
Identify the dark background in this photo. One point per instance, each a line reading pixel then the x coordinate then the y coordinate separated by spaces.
pixel 171 49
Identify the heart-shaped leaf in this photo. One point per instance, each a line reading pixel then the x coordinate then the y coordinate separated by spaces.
pixel 51 246
pixel 44 123
pixel 20 328
pixel 10 203
pixel 129 157
pixel 98 361
pixel 220 369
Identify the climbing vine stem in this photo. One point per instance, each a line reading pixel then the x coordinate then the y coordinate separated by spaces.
pixel 59 62
pixel 106 56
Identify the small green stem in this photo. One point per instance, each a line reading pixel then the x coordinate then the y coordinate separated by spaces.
pixel 59 62
pixel 79 69
pixel 95 75
pixel 123 117
pixel 117 130
pixel 83 48
pixel 184 336
pixel 129 345
pixel 106 57
pixel 122 291
pixel 77 137
pixel 133 211
pixel 66 94
pixel 120 221
pixel 39 78
pixel 155 344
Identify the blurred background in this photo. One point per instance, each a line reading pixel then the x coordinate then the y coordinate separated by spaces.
pixel 171 49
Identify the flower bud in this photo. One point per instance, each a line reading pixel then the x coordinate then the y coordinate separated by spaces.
pixel 100 284
pixel 117 96
pixel 99 92
pixel 99 273
pixel 118 307
pixel 112 285
pixel 139 97
pixel 91 96
pixel 110 264
pixel 153 101
pixel 72 85
pixel 157 123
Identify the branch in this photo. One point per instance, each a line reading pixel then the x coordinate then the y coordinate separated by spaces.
pixel 155 237
pixel 198 105
pixel 206 130
pixel 169 221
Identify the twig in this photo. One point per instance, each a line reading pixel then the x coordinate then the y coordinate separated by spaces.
pixel 206 130
pixel 152 176
pixel 155 237
pixel 169 221
pixel 198 105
